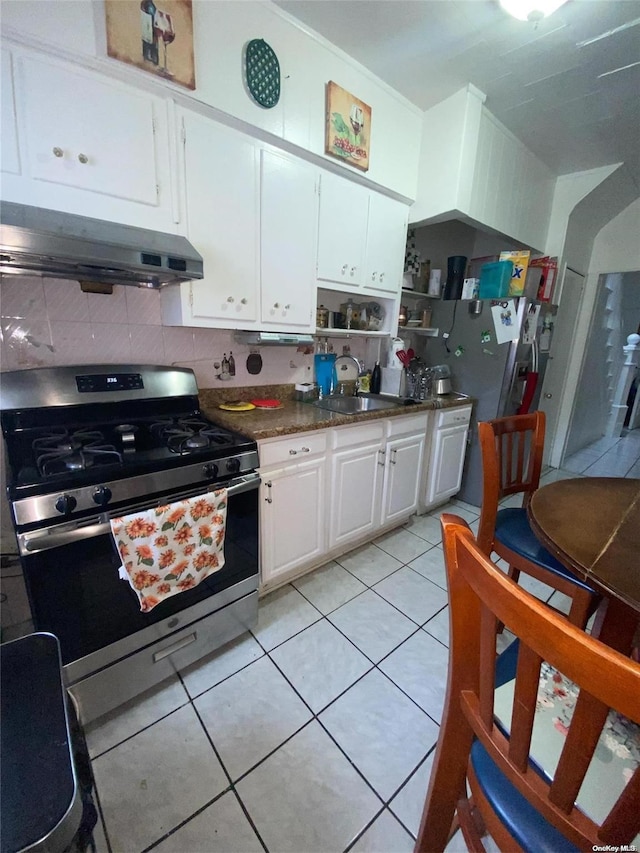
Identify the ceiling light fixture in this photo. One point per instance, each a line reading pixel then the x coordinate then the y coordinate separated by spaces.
pixel 531 10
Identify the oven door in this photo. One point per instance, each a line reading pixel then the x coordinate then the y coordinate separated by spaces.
pixel 71 573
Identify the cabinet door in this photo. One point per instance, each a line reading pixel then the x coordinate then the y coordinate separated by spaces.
pixel 221 184
pixel 86 132
pixel 386 242
pixel 292 518
pixel 342 230
pixel 402 476
pixel 356 480
pixel 447 461
pixel 9 150
pixel 288 228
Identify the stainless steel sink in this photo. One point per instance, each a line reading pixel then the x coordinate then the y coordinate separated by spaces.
pixel 355 405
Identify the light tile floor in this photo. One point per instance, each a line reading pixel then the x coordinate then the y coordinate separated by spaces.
pixel 313 733
pixel 608 457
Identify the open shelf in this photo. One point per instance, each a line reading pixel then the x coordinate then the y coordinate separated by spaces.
pixel 345 333
pixel 416 294
pixel 419 330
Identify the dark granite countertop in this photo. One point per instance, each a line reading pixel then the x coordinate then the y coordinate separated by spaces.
pixel 294 416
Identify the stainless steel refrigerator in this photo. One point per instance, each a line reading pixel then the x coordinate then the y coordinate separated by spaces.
pixel 504 378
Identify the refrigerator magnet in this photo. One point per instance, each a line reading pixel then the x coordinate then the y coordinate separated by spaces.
pixel 485 337
pixel 458 351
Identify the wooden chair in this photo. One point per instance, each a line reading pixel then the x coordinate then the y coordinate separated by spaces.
pixel 512 451
pixel 520 806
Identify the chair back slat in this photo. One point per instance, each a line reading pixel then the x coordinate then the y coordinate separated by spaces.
pixel 623 822
pixel 524 706
pixel 589 717
pixel 486 683
pixel 605 678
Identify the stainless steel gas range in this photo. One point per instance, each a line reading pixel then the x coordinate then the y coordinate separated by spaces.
pixel 85 444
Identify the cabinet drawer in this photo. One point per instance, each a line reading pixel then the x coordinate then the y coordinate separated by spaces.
pixel 352 436
pixel 453 417
pixel 293 448
pixel 406 425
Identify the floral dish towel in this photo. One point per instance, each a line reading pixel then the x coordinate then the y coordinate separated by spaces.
pixel 172 548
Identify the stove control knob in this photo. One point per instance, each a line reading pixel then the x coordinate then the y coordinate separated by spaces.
pixel 102 495
pixel 233 465
pixel 210 470
pixel 66 504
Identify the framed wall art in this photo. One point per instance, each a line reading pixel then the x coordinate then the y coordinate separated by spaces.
pixel 155 35
pixel 347 127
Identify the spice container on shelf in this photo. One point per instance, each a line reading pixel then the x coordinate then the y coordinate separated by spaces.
pixel 403 316
pixel 322 317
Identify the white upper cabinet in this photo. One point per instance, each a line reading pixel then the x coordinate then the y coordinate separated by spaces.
pixel 10 158
pixel 342 234
pixel 221 171
pixel 288 229
pixel 361 238
pixel 472 166
pixel 87 144
pixel 386 242
pixel 85 140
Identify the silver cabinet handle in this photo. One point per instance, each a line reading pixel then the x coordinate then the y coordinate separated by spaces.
pixel 353 270
pixel 373 276
pixel 293 453
pixel 548 396
pixel 381 453
pixel 58 152
pixel 381 276
pixel 392 460
pixel 269 500
pixel 276 304
pixel 243 301
pixel 179 644
pixel 286 307
pixel 344 268
pixel 230 299
pixel 304 450
pixel 83 158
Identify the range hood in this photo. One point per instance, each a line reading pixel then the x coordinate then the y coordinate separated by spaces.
pixel 273 338
pixel 35 241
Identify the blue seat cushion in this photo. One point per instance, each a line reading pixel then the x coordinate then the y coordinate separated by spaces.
pixel 514 532
pixel 532 832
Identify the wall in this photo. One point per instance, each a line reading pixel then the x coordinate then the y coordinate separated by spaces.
pixel 75 29
pixel 615 248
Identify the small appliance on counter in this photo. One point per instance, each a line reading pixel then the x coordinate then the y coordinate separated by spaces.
pixel 441 379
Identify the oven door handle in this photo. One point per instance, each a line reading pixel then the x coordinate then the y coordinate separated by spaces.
pixel 55 538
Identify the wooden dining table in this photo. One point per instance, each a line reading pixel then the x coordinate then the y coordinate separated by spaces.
pixel 592 525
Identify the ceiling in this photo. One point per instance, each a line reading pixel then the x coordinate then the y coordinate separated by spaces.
pixel 568 87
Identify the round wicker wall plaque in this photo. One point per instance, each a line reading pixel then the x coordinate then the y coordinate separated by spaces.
pixel 263 73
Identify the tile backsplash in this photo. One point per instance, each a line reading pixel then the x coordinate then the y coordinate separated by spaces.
pixel 47 322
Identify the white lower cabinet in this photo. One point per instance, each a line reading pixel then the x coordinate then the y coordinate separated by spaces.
pixel 325 491
pixel 376 471
pixel 448 451
pixel 292 505
pixel 356 477
pixel 402 475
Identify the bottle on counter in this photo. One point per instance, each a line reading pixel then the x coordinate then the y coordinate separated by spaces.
pixel 224 368
pixel 376 379
pixel 232 364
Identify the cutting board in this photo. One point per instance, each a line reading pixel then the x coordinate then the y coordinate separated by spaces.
pixel 236 406
pixel 267 404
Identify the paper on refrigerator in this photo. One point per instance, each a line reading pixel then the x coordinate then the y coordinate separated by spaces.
pixel 505 321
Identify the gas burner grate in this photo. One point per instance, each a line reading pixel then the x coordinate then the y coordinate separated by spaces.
pixel 59 451
pixel 188 435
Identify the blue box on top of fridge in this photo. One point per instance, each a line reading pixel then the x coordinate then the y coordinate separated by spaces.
pixel 495 279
